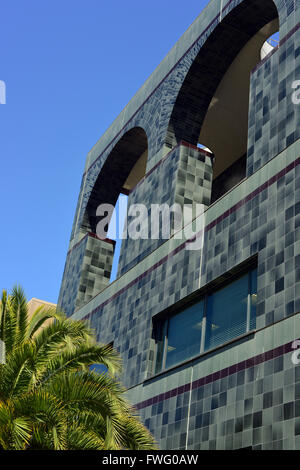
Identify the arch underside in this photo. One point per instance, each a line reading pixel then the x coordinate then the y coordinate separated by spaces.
pixel 210 66
pixel 123 168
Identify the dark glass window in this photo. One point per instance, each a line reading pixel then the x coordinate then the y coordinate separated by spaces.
pixel 179 337
pixel 227 313
pixel 184 335
pixel 217 318
pixel 229 178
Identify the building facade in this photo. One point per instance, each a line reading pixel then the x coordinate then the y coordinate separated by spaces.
pixel 206 330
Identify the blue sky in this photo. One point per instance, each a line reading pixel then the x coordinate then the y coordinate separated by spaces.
pixel 70 67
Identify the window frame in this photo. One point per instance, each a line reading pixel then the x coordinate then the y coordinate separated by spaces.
pixel 162 322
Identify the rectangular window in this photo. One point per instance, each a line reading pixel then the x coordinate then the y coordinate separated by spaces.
pixel 217 318
pixel 229 178
pixel 227 313
pixel 172 345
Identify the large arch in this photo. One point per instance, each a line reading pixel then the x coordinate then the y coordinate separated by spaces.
pixel 212 105
pixel 123 169
pixel 211 64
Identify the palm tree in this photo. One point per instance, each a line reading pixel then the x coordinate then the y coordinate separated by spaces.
pixel 49 397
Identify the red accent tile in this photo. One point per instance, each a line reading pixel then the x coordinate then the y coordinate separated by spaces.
pixel 256 360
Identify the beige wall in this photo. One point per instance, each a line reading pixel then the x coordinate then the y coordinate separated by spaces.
pixel 225 128
pixel 33 304
pixel 138 172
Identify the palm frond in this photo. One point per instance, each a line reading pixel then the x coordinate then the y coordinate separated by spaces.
pixel 19 305
pixel 3 307
pixel 49 397
pixel 39 318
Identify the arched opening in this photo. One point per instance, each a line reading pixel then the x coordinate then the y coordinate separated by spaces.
pixel 213 104
pixel 115 231
pixel 123 169
pixel 225 127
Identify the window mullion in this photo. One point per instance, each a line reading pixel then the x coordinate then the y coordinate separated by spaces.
pixel 203 332
pixel 248 303
pixel 165 334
